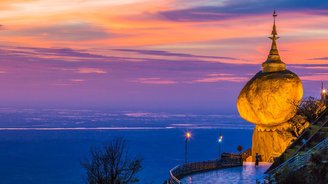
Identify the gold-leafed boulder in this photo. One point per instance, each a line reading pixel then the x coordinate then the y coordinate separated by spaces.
pixel 269 98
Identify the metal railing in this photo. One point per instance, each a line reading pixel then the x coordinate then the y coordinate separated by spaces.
pixel 173 179
pixel 297 161
pixel 180 171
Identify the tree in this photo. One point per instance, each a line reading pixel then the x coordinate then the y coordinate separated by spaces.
pixel 307 111
pixel 111 164
pixel 239 149
pixel 310 108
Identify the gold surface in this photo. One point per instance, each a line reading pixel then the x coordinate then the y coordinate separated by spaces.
pixel 273 62
pixel 269 100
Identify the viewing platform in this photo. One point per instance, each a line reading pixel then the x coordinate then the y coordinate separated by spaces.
pixel 246 174
pixel 226 170
pixel 181 171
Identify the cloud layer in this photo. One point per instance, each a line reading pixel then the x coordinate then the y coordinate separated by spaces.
pixel 185 55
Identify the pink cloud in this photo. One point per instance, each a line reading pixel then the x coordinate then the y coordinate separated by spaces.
pixel 77 80
pixel 219 74
pixel 91 70
pixel 154 80
pixel 220 77
pixel 315 77
pixel 311 67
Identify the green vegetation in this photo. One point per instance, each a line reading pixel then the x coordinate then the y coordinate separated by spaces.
pixel 315 171
pixel 310 108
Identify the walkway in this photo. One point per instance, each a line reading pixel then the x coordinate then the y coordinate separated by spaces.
pixel 247 174
pixel 227 161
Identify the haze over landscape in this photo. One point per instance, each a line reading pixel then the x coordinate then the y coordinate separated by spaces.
pixel 145 55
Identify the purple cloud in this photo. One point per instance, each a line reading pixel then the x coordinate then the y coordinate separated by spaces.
pixel 321 58
pixel 155 80
pixel 238 8
pixel 32 77
pixel 166 53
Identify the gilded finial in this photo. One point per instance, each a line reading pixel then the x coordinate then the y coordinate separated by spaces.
pixel 274 34
pixel 273 63
pixel 274 15
pixel 274 30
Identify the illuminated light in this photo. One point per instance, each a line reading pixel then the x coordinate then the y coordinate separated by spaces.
pixel 188 135
pixel 324 91
pixel 220 139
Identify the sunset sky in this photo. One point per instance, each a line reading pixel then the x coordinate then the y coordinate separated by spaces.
pixel 152 55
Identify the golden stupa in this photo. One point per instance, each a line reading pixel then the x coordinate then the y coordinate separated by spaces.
pixel 269 100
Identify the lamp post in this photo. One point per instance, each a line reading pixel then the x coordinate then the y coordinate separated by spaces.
pixel 187 137
pixel 324 94
pixel 220 141
pixel 325 97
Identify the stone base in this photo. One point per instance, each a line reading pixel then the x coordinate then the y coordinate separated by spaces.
pixel 249 159
pixel 270 142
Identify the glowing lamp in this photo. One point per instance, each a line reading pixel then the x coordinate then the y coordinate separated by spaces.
pixel 188 135
pixel 220 138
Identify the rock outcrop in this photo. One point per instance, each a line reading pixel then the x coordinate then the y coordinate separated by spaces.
pixel 270 144
pixel 269 100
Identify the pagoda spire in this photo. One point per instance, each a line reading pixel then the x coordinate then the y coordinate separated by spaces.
pixel 274 37
pixel 273 62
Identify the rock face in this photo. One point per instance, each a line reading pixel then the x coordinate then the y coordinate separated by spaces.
pixel 269 99
pixel 270 144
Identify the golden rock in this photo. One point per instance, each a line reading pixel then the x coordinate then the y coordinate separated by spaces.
pixel 269 99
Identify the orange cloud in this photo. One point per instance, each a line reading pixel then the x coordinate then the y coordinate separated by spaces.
pixel 138 24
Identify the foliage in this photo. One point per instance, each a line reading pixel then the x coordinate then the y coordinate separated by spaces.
pixel 310 108
pixel 290 177
pixel 318 167
pixel 111 164
pixel 308 111
pixel 315 171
